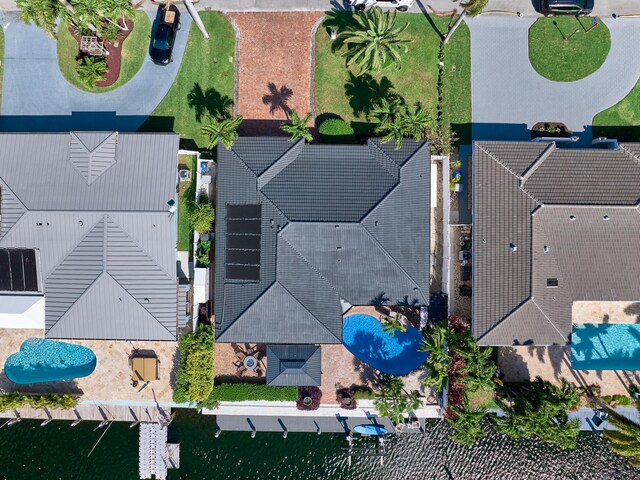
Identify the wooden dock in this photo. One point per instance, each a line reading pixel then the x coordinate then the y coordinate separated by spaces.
pixel 91 412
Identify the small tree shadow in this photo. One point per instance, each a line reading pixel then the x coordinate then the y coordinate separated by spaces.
pixel 278 99
pixel 208 102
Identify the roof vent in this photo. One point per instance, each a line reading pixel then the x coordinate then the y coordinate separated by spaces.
pixel 546 249
pixel 605 218
pixel 552 282
pixel 572 218
pixel 513 247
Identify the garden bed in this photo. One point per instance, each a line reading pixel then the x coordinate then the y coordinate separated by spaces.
pixel 550 129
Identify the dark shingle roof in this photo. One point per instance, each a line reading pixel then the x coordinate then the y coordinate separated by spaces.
pixel 338 222
pixel 572 216
pixel 293 365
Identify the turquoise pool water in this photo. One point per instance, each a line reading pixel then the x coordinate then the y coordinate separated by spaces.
pixel 398 354
pixel 43 360
pixel 606 346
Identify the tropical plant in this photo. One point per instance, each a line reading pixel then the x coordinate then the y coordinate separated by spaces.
pixel 202 253
pixel 373 42
pixel 397 121
pixel 438 361
pixel 470 8
pixel 201 217
pixel 467 425
pixel 116 12
pixel 392 400
pixel 194 378
pixel 540 410
pixel 478 370
pixel 42 13
pixel 221 129
pixel 91 70
pixel 336 130
pixel 626 439
pixel 14 400
pixel 392 324
pixel 297 127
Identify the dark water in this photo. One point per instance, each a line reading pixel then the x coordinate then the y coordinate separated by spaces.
pixel 58 451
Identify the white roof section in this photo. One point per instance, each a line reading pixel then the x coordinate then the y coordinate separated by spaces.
pixel 96 205
pixel 22 311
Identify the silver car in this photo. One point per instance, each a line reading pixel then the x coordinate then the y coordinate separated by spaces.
pixel 400 5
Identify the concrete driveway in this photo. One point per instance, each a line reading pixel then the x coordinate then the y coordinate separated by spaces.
pixel 509 96
pixel 34 87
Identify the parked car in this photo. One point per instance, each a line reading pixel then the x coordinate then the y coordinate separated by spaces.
pixel 400 5
pixel 164 35
pixel 565 7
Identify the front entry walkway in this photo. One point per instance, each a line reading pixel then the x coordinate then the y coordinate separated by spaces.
pixel 274 74
pixel 35 95
pixel 509 96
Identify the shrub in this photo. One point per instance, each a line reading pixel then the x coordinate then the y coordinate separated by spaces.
pixel 194 379
pixel 202 253
pixel 91 70
pixel 202 216
pixel 314 393
pixel 13 400
pixel 336 130
pixel 363 393
pixel 237 392
pixel 346 399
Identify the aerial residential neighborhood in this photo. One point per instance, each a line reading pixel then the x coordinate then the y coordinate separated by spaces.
pixel 301 238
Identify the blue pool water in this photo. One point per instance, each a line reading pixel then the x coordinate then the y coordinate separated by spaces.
pixel 398 354
pixel 44 360
pixel 606 346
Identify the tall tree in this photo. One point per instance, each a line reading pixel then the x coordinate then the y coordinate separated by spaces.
pixel 392 400
pixel 373 42
pixel 297 127
pixel 470 8
pixel 397 121
pixel 223 130
pixel 626 440
pixel 41 13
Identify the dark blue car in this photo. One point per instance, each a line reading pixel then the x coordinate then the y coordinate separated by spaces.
pixel 164 34
pixel 566 7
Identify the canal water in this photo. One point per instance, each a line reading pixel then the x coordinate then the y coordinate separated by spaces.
pixel 59 451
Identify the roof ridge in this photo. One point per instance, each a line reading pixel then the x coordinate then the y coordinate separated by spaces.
pixel 392 258
pixel 106 243
pixel 303 306
pixel 374 146
pixel 531 169
pixel 630 153
pixel 280 164
pixel 497 160
pixel 546 316
pixel 3 185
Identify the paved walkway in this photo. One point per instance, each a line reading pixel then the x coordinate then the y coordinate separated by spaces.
pixel 274 72
pixel 509 96
pixel 34 87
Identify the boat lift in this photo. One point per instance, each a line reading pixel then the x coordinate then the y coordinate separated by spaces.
pixel 378 449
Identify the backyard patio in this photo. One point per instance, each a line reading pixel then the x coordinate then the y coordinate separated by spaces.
pixel 113 376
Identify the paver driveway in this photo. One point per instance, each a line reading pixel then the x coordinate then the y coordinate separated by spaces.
pixel 33 85
pixel 275 68
pixel 509 96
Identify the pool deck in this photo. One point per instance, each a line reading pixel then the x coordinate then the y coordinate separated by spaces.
pixel 605 312
pixel 111 379
pixel 554 363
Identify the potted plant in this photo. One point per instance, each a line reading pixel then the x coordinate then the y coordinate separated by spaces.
pixel 308 398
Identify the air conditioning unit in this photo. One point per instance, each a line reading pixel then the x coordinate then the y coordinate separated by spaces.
pixel 184 175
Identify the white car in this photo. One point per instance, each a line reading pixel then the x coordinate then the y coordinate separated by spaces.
pixel 400 5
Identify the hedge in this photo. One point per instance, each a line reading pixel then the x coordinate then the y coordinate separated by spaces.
pixel 13 400
pixel 363 393
pixel 237 392
pixel 336 130
pixel 194 379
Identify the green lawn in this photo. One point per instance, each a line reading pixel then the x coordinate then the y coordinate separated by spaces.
pixel 457 84
pixel 134 50
pixel 622 121
pixel 187 193
pixel 561 49
pixel 204 83
pixel 340 92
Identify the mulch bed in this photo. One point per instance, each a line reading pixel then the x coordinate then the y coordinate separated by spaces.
pixel 114 59
pixel 550 129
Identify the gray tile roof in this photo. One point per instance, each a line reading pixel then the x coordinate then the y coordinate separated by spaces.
pixel 572 215
pixel 294 365
pixel 347 222
pixel 95 205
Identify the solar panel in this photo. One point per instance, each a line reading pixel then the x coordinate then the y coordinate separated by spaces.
pixel 18 270
pixel 242 242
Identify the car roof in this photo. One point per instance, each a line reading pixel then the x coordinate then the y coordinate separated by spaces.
pixel 563 3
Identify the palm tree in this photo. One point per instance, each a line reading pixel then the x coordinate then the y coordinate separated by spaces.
pixel 470 8
pixel 392 400
pixel 438 361
pixel 116 12
pixel 397 121
pixel 223 130
pixel 626 440
pixel 297 128
pixel 91 70
pixel 374 42
pixel 392 324
pixel 42 13
pixel 467 425
pixel 478 371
